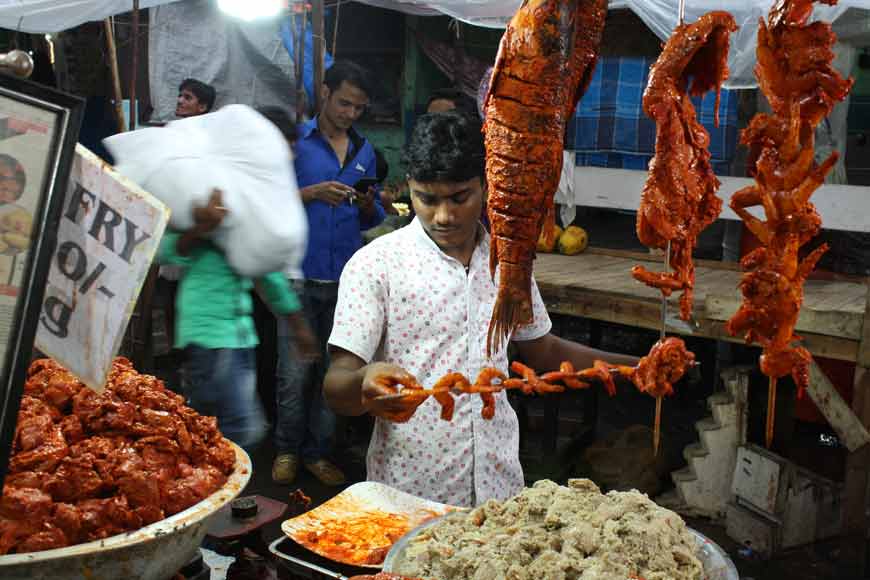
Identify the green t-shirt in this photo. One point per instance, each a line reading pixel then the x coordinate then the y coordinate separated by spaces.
pixel 213 306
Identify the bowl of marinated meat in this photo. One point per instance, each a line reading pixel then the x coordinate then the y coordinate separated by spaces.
pixel 111 484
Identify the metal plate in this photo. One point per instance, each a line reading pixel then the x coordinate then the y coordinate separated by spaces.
pixel 717 564
pixel 358 502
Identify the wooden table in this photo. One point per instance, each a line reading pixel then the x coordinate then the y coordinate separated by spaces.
pixel 597 284
pixel 834 323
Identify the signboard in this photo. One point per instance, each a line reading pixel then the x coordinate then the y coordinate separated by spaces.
pixel 38 131
pixel 109 232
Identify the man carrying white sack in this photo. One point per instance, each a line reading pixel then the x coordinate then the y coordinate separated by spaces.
pixel 225 241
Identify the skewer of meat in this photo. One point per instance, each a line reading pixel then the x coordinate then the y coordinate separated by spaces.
pixel 794 71
pixel 544 65
pixel 679 199
pixel 655 374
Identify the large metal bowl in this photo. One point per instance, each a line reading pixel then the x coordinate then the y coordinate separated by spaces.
pixel 154 552
pixel 717 564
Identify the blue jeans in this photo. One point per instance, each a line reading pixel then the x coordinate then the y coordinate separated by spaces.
pixel 222 382
pixel 304 424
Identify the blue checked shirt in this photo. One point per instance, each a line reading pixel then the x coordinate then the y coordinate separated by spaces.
pixel 611 129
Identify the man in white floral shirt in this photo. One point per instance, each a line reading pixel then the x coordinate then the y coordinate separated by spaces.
pixel 418 301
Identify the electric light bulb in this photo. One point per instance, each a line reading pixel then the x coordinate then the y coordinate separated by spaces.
pixel 252 9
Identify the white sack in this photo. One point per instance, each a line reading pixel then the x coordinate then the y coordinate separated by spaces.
pixel 238 151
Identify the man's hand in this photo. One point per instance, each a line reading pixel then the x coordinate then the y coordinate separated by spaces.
pixel 331 192
pixel 305 343
pixel 206 220
pixel 383 379
pixel 366 201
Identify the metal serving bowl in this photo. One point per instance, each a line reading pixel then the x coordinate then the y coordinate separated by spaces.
pixel 717 564
pixel 154 552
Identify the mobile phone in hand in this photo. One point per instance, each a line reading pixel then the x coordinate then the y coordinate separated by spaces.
pixel 364 184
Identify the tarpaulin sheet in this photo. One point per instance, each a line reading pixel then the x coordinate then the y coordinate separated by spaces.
pixel 611 129
pixel 246 62
pixel 659 15
pixel 41 16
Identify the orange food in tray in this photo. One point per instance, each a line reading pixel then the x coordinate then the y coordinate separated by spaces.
pixel 361 524
pixel 363 540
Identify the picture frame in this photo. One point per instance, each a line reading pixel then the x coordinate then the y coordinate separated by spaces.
pixel 39 128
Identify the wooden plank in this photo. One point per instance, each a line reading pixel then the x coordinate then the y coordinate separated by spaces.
pixel 650 257
pixel 831 308
pixel 646 313
pixel 853 555
pixel 848 426
pixel 831 323
pixel 620 189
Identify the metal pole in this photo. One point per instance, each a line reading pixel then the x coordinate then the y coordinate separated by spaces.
pixel 134 71
pixel 657 423
pixel 318 30
pixel 300 61
pixel 682 13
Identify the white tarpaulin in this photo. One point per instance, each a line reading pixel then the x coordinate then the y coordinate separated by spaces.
pixel 42 16
pixel 659 15
pixel 245 62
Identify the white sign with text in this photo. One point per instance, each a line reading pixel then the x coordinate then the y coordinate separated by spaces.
pixel 108 234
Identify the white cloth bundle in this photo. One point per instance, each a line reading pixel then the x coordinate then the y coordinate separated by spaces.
pixel 243 154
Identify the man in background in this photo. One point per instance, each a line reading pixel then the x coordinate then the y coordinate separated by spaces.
pixel 444 100
pixel 331 158
pixel 194 98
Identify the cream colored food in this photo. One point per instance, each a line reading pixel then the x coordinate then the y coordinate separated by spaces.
pixel 552 532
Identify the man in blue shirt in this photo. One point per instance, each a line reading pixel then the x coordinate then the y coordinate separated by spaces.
pixel 331 158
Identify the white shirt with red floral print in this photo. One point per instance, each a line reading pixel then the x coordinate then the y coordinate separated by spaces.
pixel 402 300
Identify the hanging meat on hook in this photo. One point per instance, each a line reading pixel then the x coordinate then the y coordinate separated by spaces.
pixel 795 74
pixel 543 67
pixel 679 199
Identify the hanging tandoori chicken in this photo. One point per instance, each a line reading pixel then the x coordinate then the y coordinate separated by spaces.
pixel 679 198
pixel 795 74
pixel 544 64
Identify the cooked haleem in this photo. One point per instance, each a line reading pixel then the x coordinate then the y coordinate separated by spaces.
pixel 552 532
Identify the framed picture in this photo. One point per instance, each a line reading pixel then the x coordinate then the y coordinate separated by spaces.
pixel 39 128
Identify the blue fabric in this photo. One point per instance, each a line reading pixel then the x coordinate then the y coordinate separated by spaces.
pixel 611 129
pixel 287 37
pixel 334 233
pixel 222 382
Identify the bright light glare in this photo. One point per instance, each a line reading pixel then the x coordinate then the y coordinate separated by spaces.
pixel 252 9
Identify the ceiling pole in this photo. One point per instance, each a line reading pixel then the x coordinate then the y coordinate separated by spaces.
pixel 116 79
pixel 134 71
pixel 318 27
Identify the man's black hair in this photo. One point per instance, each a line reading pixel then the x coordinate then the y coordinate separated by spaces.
pixel 445 147
pixel 20 176
pixel 382 168
pixel 344 71
pixel 462 102
pixel 281 119
pixel 204 93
